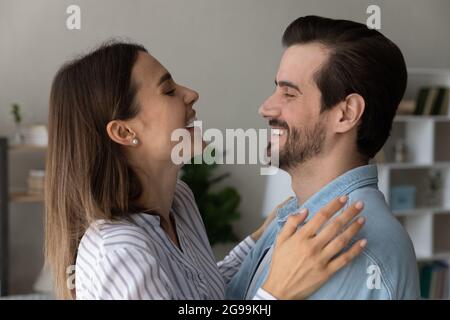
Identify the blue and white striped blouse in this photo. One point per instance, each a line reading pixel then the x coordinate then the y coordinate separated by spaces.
pixel 134 258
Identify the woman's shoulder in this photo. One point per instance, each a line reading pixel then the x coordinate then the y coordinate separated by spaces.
pixel 103 236
pixel 184 196
pixel 183 189
pixel 184 200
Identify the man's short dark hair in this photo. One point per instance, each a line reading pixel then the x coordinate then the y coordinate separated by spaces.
pixel 361 61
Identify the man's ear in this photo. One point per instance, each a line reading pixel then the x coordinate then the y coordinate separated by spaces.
pixel 119 132
pixel 350 112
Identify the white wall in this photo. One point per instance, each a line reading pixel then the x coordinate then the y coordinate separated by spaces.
pixel 228 50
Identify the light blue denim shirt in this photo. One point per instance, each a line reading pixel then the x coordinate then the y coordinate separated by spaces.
pixel 387 268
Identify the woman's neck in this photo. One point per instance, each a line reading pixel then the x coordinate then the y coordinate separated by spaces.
pixel 158 187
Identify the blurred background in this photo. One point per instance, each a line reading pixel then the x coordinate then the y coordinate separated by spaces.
pixel 229 52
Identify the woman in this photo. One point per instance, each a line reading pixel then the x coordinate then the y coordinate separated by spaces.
pixel 115 208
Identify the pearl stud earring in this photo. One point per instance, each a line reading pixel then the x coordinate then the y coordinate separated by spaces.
pixel 135 141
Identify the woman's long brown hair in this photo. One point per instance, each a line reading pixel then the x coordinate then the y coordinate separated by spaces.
pixel 87 176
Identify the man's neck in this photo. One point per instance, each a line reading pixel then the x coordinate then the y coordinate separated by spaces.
pixel 309 177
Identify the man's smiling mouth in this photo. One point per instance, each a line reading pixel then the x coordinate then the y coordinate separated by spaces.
pixel 278 132
pixel 278 128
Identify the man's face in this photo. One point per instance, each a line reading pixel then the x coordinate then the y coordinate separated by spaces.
pixel 294 107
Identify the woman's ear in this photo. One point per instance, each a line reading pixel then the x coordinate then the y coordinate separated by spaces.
pixel 120 132
pixel 350 112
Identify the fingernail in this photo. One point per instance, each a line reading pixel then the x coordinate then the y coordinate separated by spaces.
pixel 303 211
pixel 363 243
pixel 343 199
pixel 361 220
pixel 359 205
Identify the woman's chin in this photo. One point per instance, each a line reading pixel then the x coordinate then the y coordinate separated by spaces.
pixel 191 130
pixel 197 143
pixel 197 148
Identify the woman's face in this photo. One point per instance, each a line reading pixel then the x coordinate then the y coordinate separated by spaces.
pixel 164 107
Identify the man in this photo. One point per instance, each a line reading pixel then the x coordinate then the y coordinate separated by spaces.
pixel 338 87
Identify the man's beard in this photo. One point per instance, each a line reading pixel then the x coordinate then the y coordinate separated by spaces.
pixel 301 145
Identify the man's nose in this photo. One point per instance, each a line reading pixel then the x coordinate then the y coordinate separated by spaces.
pixel 269 109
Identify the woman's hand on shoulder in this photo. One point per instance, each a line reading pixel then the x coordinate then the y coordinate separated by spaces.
pixel 304 259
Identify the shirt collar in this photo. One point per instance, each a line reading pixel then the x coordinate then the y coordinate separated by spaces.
pixel 342 185
pixel 154 219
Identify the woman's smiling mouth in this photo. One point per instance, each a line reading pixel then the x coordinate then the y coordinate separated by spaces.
pixel 190 122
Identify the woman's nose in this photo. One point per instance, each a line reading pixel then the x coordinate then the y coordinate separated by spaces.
pixel 190 96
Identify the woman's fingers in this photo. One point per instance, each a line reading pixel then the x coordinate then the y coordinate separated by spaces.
pixel 290 227
pixel 341 241
pixel 299 265
pixel 331 230
pixel 322 216
pixel 345 258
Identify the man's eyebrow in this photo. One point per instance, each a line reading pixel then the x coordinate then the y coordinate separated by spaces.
pixel 164 77
pixel 284 83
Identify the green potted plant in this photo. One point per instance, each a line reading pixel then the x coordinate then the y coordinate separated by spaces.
pixel 17 116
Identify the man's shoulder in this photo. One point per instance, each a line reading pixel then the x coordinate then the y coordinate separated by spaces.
pixel 363 279
pixel 371 277
pixel 382 227
pixel 387 268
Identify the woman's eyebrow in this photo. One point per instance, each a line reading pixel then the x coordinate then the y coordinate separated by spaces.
pixel 164 77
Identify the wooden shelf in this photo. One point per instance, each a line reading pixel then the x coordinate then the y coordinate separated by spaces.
pixel 426 138
pixel 23 197
pixel 7 198
pixel 26 147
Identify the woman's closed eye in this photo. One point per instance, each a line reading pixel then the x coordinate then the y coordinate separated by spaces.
pixel 171 92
